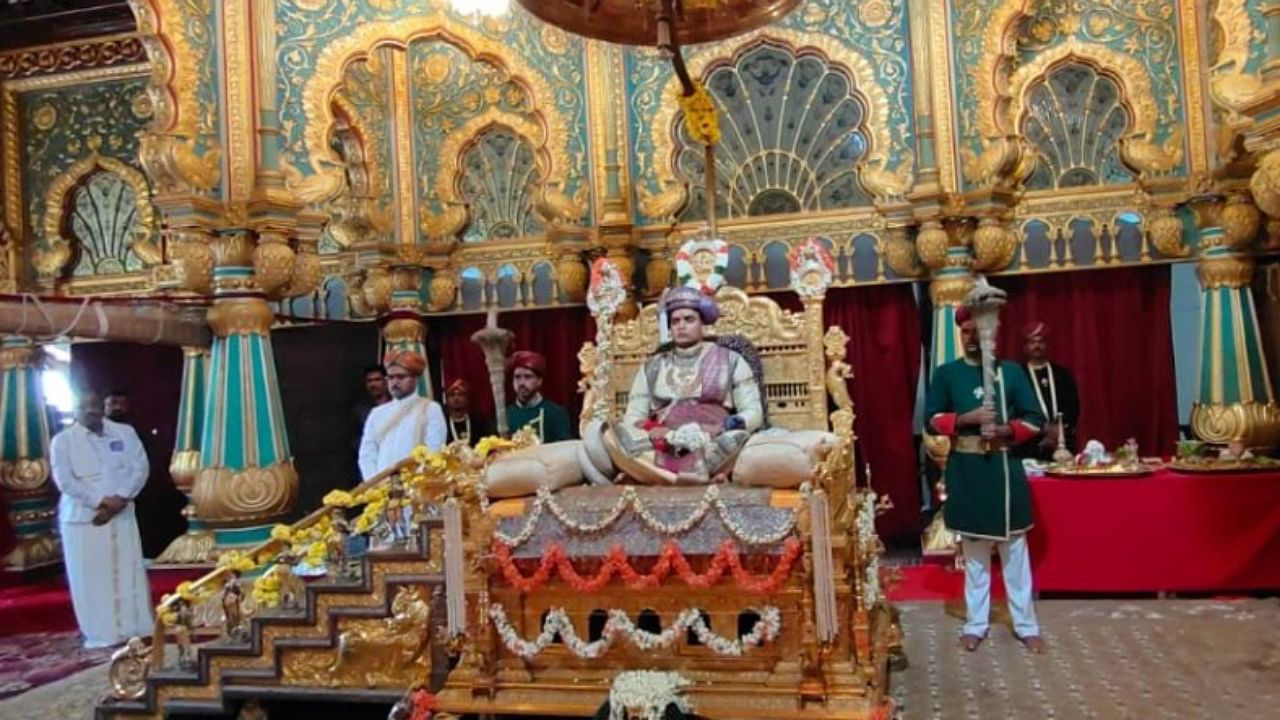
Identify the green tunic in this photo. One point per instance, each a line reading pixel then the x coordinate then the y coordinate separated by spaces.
pixel 551 420
pixel 987 493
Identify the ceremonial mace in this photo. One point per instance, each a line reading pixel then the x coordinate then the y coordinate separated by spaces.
pixel 494 341
pixel 984 302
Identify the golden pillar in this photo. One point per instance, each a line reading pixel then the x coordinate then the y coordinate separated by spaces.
pixel 1236 402
pixel 195 547
pixel 29 497
pixel 246 478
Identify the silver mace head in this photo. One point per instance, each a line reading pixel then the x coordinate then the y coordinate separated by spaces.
pixel 985 301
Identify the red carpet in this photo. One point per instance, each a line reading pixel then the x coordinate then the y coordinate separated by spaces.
pixel 45 606
pixel 32 660
pixel 937 582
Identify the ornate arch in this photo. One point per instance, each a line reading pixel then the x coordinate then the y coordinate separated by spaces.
pixel 53 260
pixel 358 127
pixel 1126 71
pixel 860 70
pixel 175 152
pixel 991 74
pixel 461 139
pixel 335 58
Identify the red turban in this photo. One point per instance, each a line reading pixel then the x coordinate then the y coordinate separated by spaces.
pixel 458 385
pixel 529 360
pixel 1034 329
pixel 963 315
pixel 411 361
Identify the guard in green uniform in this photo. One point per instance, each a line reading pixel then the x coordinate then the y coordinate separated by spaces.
pixel 988 499
pixel 548 419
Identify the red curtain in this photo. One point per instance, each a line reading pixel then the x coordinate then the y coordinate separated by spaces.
pixel 883 324
pixel 557 333
pixel 1113 330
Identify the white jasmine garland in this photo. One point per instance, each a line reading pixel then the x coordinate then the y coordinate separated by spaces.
pixel 619 625
pixel 649 691
pixel 866 526
pixel 630 499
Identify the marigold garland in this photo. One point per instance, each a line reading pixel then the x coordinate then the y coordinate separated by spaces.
pixel 670 559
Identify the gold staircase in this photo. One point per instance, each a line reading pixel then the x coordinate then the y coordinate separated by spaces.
pixel 361 640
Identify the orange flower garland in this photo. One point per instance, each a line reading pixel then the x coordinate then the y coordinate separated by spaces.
pixel 616 563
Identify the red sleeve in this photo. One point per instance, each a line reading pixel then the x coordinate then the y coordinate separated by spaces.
pixel 944 423
pixel 1022 432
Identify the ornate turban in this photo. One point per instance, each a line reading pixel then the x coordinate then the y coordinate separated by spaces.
pixel 411 361
pixel 458 385
pixel 687 298
pixel 1035 329
pixel 529 360
pixel 963 315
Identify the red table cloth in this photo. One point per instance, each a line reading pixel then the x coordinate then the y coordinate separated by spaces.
pixel 1167 531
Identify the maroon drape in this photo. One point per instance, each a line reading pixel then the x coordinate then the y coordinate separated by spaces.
pixel 557 333
pixel 1112 329
pixel 884 349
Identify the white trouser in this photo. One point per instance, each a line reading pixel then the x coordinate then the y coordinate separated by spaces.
pixel 1015 563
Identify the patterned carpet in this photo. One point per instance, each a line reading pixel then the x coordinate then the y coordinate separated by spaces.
pixel 35 659
pixel 1107 660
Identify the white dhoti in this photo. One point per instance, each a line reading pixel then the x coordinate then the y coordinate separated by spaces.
pixel 108 580
pixel 1015 566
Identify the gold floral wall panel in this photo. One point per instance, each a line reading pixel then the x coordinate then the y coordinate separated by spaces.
pixel 529 73
pixel 184 151
pixel 851 61
pixel 1004 51
pixel 87 202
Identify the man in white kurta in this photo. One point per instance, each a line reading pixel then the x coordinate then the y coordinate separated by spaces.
pixel 394 429
pixel 100 466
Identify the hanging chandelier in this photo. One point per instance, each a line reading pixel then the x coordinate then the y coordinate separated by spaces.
pixel 636 22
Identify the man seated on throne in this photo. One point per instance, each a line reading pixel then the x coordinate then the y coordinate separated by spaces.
pixel 693 404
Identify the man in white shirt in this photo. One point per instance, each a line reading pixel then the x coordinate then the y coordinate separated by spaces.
pixel 394 429
pixel 100 466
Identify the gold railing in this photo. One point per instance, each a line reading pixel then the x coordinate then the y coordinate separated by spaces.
pixel 263 553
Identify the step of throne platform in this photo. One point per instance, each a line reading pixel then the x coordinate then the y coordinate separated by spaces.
pixel 365 640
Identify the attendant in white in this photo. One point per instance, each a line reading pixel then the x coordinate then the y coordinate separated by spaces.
pixel 394 429
pixel 99 466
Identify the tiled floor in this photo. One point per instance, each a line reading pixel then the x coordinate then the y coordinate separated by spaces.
pixel 1107 659
pixel 1149 659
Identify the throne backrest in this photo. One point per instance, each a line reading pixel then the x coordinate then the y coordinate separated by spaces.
pixel 789 344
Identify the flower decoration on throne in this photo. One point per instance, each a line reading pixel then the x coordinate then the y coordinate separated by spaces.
pixel 607 291
pixel 702 261
pixel 812 268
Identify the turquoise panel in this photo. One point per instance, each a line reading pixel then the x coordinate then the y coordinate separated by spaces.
pixel 234 453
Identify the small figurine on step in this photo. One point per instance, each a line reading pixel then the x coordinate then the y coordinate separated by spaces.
pixel 234 625
pixel 394 514
pixel 339 563
pixel 183 627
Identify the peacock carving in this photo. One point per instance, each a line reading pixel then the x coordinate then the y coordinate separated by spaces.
pixel 1152 159
pixel 889 185
pixel 666 204
pixel 557 208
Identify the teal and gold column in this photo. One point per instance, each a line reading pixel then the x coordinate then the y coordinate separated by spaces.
pixel 246 478
pixel 1236 401
pixel 196 546
pixel 402 326
pixel 950 262
pixel 29 496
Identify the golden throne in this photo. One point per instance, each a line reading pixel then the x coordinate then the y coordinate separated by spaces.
pixel 767 600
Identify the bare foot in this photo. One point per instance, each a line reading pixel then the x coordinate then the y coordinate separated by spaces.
pixel 1034 643
pixel 970 642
